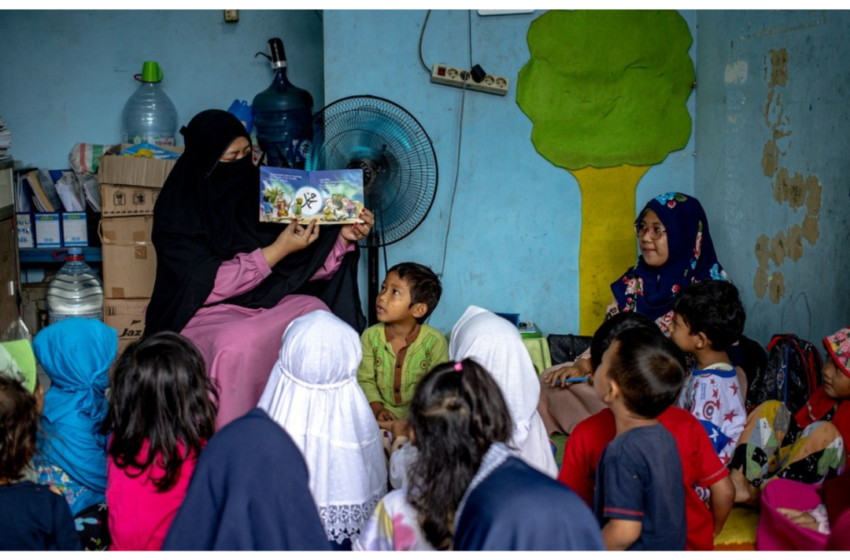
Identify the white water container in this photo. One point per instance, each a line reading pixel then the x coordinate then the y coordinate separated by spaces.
pixel 75 291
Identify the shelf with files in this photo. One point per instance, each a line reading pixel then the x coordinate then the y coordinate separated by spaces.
pixel 56 255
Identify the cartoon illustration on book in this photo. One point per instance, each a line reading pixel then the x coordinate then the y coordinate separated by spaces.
pixel 330 197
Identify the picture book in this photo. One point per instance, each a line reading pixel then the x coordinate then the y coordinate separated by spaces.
pixel 330 197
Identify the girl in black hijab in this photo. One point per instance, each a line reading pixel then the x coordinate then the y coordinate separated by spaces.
pixel 230 283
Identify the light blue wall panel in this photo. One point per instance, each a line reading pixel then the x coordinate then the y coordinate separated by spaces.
pixel 516 225
pixel 805 113
pixel 67 74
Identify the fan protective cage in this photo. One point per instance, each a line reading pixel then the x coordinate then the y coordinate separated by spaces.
pixel 397 157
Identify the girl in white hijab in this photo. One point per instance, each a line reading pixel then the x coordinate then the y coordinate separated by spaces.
pixel 497 345
pixel 313 393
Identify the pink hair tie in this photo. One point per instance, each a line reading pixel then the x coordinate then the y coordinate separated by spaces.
pixel 458 366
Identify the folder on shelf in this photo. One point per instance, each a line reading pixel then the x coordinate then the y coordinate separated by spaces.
pixel 43 189
pixel 91 189
pixel 71 192
pixel 23 198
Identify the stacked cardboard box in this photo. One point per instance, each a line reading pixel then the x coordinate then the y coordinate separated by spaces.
pixel 128 189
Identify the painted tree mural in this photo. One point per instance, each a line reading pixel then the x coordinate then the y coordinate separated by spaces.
pixel 607 92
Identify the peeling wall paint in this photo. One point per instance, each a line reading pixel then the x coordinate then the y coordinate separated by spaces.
pixel 788 189
pixel 773 162
pixel 736 72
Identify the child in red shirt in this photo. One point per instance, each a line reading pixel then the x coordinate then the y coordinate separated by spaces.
pixel 700 464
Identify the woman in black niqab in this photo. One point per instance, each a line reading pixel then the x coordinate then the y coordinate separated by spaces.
pixel 213 257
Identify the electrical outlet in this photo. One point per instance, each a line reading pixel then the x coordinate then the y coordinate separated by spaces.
pixel 452 76
pixel 231 16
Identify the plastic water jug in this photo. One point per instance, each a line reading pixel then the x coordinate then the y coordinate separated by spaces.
pixel 149 115
pixel 280 113
pixel 75 291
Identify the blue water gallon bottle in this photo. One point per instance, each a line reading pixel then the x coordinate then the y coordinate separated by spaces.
pixel 75 291
pixel 281 112
pixel 149 115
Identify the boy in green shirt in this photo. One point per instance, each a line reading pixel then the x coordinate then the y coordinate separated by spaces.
pixel 400 350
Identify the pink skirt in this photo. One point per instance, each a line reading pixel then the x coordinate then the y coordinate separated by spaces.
pixel 240 347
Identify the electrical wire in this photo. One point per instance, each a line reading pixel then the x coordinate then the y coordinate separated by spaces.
pixel 459 143
pixel 421 35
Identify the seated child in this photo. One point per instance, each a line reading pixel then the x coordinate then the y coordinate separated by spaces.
pixel 640 501
pixel 400 349
pixel 808 447
pixel 162 413
pixel 708 318
pixel 700 464
pixel 313 394
pixel 497 345
pixel 17 362
pixel 468 490
pixel 76 354
pixel 251 465
pixel 34 517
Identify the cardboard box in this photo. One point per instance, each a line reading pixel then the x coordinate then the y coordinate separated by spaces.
pixel 141 172
pixel 129 261
pixel 74 229
pixel 127 200
pixel 26 231
pixel 127 316
pixel 48 229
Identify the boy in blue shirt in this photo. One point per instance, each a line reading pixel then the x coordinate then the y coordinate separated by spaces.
pixel 639 499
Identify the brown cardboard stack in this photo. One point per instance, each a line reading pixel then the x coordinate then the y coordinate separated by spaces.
pixel 128 189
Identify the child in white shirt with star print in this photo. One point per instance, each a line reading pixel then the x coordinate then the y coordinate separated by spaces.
pixel 708 319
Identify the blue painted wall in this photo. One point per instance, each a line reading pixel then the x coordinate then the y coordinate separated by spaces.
pixel 796 98
pixel 515 230
pixel 516 223
pixel 67 74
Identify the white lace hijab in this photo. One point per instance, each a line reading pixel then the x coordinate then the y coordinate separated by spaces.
pixel 313 393
pixel 497 345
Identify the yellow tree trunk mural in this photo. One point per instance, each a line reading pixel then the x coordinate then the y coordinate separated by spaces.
pixel 607 238
pixel 607 93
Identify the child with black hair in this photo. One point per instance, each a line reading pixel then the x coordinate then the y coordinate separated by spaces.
pixel 34 517
pixel 708 319
pixel 640 499
pixel 445 416
pixel 162 413
pixel 700 465
pixel 401 349
pixel 17 362
pixel 467 489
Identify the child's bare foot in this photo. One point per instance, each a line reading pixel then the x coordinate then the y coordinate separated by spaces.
pixel 745 493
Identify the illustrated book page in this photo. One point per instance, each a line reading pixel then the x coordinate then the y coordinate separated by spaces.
pixel 331 197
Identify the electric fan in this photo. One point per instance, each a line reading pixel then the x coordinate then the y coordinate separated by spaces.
pixel 398 162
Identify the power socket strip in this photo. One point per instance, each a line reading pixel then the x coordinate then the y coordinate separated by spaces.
pixel 457 77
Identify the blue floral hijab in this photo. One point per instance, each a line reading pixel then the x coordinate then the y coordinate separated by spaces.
pixel 651 291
